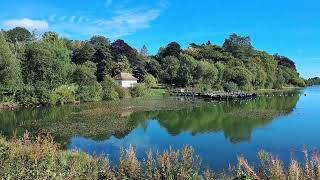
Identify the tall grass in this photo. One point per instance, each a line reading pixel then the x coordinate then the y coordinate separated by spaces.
pixel 40 158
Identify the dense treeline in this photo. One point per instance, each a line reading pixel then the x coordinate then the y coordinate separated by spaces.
pixel 52 69
pixel 313 81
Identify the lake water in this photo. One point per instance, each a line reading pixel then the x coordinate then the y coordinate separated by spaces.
pixel 282 124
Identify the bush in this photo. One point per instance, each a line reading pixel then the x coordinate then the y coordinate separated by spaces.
pixel 149 80
pixel 109 92
pixel 122 92
pixel 230 87
pixel 65 94
pixel 27 97
pixel 139 91
pixel 7 99
pixel 90 93
pixel 240 76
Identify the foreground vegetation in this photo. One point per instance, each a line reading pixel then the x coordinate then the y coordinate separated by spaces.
pixel 41 158
pixel 50 69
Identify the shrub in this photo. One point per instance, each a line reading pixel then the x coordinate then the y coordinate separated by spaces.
pixel 149 80
pixel 65 94
pixel 238 75
pixel 27 97
pixel 90 93
pixel 122 92
pixel 230 87
pixel 109 92
pixel 139 91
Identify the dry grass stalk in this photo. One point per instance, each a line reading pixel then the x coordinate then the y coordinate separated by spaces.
pixel 243 166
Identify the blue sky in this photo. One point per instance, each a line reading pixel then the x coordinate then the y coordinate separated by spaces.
pixel 287 27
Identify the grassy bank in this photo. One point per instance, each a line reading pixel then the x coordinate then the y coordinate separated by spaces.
pixel 41 158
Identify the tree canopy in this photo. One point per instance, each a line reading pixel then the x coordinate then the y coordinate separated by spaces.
pixel 48 67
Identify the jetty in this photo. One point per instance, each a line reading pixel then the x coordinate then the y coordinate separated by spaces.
pixel 215 96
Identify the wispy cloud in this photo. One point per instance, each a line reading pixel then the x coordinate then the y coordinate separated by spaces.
pixel 30 24
pixel 63 18
pixel 72 19
pixel 122 21
pixel 118 20
pixel 126 22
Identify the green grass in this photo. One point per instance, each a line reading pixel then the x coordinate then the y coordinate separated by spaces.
pixel 158 93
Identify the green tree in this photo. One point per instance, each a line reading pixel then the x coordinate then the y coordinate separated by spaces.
pixel 149 80
pixel 48 62
pixel 103 59
pixel 109 89
pixel 139 91
pixel 90 93
pixel 259 76
pixel 220 67
pixel 172 49
pixel 207 73
pixel 84 74
pixel 214 53
pixel 100 42
pixel 186 71
pixel 10 71
pixel 144 51
pixel 239 46
pixel 153 67
pixel 121 65
pixel 170 66
pixel 83 54
pixel 270 67
pixel 51 36
pixel 18 34
pixel 238 75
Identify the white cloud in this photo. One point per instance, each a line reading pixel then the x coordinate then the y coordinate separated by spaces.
pixel 29 24
pixel 121 23
pixel 129 21
pixel 118 21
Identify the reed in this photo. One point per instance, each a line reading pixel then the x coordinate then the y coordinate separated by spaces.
pixel 41 158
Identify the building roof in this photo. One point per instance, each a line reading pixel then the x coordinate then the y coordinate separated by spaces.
pixel 125 76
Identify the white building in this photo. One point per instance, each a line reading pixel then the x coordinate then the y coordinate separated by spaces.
pixel 126 80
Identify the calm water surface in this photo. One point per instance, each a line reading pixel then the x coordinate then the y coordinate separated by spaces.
pixel 218 132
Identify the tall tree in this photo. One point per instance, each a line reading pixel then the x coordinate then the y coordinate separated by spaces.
pixel 83 54
pixel 50 36
pixel 238 75
pixel 120 48
pixel 285 61
pixel 47 63
pixel 103 59
pixel 84 74
pixel 239 46
pixel 172 49
pixel 170 66
pixel 18 34
pixel 99 42
pixel 10 71
pixel 120 65
pixel 144 51
pixel 102 56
